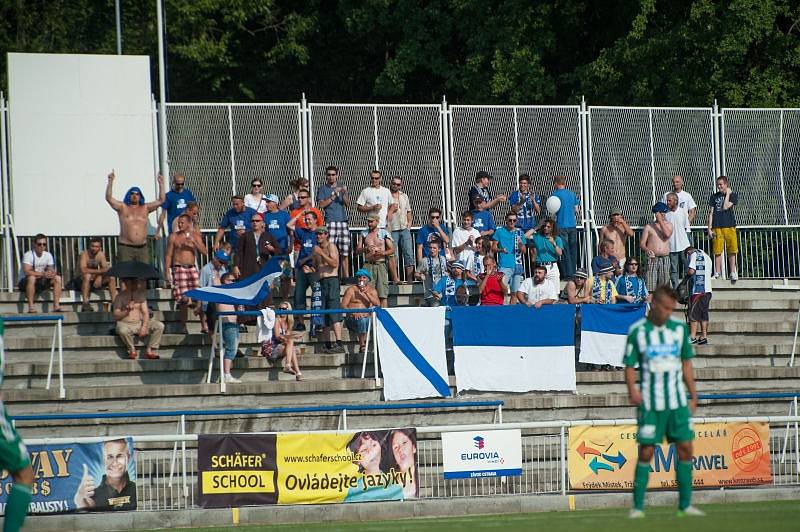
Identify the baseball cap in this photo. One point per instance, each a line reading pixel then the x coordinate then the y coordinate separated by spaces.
pixel 457 264
pixel 581 273
pixel 272 197
pixel 321 229
pixel 222 256
pixel 605 266
pixel 373 216
pixel 615 212
pixel 660 207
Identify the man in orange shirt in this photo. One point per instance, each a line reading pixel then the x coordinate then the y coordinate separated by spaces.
pixel 298 215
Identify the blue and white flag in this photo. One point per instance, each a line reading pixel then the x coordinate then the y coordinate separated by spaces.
pixel 250 291
pixel 604 329
pixel 514 348
pixel 412 353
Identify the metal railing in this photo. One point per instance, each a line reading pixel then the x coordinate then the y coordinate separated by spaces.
pixel 544 457
pixel 57 342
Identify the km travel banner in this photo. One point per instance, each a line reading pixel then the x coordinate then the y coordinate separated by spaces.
pixel 488 453
pixel 79 476
pixel 725 454
pixel 307 468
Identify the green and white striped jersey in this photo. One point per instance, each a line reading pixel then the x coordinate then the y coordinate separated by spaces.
pixel 660 352
pixel 2 353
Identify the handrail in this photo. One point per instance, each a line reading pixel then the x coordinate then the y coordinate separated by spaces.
pixel 754 395
pixel 57 335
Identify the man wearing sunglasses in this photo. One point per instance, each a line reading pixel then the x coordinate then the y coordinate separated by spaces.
pixel 375 199
pixel 133 215
pixel 175 203
pixel 298 215
pixel 39 274
pixel 334 200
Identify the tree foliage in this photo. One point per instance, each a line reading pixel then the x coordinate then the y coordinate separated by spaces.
pixel 635 52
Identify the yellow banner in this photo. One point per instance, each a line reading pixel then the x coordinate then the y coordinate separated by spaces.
pixel 238 482
pixel 725 454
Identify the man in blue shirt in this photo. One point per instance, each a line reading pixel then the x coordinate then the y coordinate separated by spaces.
pixel 525 203
pixel 237 221
pixel 483 219
pixel 175 203
pixel 432 230
pixel 510 250
pixel 333 199
pixel 566 221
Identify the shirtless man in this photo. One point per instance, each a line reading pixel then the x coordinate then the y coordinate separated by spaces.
pixel 133 319
pixel 575 290
pixel 617 230
pixel 655 242
pixel 360 295
pixel 326 263
pixel 133 222
pixel 180 260
pixel 93 265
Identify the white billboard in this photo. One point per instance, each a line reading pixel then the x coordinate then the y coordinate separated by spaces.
pixel 477 454
pixel 72 119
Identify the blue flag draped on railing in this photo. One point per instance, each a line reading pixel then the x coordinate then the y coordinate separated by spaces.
pixel 250 291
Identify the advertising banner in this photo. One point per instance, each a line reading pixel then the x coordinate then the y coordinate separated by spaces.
pixel 725 454
pixel 307 468
pixel 489 453
pixel 79 476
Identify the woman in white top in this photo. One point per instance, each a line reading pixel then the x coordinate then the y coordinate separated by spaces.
pixel 256 199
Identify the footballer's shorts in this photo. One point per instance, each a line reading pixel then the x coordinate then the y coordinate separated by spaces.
pixel 676 425
pixel 13 453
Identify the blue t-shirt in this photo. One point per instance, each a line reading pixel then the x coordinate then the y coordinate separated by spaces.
pixel 234 221
pixel 545 252
pixel 424 236
pixel 598 260
pixel 335 212
pixel 565 217
pixel 447 288
pixel 307 239
pixel 175 203
pixel 526 215
pixel 508 241
pixel 483 221
pixel 276 224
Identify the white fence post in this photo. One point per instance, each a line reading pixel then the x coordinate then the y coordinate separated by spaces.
pixel 233 150
pixel 5 176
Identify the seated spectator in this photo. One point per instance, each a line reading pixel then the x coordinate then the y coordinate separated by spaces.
pixel 284 342
pixel 631 287
pixel 483 219
pixel 547 248
pixel 430 269
pixel 93 264
pixel 39 274
pixel 601 285
pixel 360 295
pixel 211 275
pixel 510 250
pixel 537 290
pixel 450 289
pixel 575 291
pixel 492 288
pixel 133 319
pixel 606 248
pixel 230 333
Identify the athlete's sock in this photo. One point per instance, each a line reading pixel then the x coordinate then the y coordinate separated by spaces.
pixel 640 484
pixel 684 474
pixel 17 507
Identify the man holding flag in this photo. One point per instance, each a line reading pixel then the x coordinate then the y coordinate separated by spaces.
pixel 660 346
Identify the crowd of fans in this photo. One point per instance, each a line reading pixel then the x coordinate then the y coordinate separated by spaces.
pixel 478 263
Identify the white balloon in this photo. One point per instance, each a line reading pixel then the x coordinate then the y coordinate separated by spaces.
pixel 553 204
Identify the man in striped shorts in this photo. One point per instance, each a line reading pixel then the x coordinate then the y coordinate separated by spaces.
pixel 655 243
pixel 661 348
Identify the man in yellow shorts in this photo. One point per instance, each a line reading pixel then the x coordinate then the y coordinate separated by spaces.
pixel 722 227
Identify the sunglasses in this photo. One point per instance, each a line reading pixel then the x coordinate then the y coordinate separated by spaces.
pixel 633 263
pixel 283 308
pixel 257 185
pixel 374 178
pixel 42 244
pixel 511 219
pixel 331 173
pixel 256 220
pixel 303 197
pixel 397 184
pixel 435 217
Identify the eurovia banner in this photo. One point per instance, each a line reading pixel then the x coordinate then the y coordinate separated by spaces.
pixel 725 454
pixel 79 476
pixel 308 468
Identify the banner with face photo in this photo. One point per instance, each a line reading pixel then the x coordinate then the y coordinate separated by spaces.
pixel 307 468
pixel 79 476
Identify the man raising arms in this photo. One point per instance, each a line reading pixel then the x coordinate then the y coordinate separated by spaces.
pixel 133 211
pixel 660 346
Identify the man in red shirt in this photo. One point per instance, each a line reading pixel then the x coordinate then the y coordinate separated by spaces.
pixel 492 288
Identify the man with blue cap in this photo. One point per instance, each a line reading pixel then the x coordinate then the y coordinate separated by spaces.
pixel 655 243
pixel 133 223
pixel 360 295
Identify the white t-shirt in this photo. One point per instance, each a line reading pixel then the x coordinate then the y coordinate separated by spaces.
pixel 376 196
pixel 538 292
pixel 467 255
pixel 38 263
pixel 399 219
pixel 685 202
pixel 257 205
pixel 701 264
pixel 679 239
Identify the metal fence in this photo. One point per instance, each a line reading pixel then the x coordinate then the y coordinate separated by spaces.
pixel 612 156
